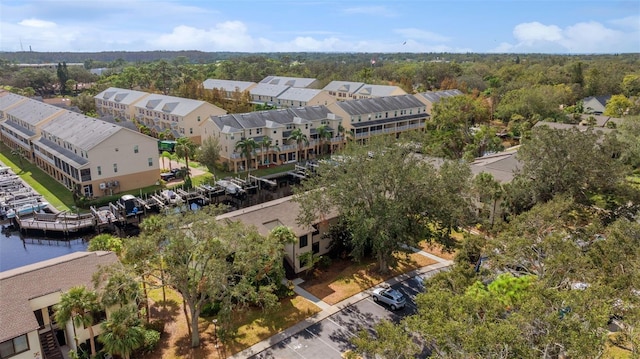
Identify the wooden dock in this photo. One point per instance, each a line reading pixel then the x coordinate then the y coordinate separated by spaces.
pixel 62 225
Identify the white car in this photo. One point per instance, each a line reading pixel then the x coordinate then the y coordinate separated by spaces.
pixel 391 297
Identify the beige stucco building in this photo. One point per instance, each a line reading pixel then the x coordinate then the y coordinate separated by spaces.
pixel 348 90
pixel 382 115
pixel 179 117
pixel 300 97
pixel 28 295
pixel 283 212
pixel 277 125
pixel 87 155
pixel 96 157
pixel 300 82
pixel 228 88
pixel 118 102
pixel 432 97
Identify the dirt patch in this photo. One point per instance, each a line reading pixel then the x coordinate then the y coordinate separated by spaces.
pixel 345 278
pixel 438 250
pixel 252 325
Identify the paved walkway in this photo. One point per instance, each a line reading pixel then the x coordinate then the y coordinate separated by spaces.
pixel 328 309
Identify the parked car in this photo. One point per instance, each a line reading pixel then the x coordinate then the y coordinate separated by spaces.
pixel 389 296
pixel 167 176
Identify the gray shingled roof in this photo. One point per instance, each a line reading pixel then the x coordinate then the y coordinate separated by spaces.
pixel 379 104
pixel 282 210
pixel 262 89
pixel 502 166
pixel 288 81
pixel 227 85
pixel 62 153
pixel 169 104
pixel 377 90
pixel 343 86
pixel 299 94
pixel 18 286
pixel 33 112
pixel 271 119
pixel 15 127
pixel 436 96
pixel 8 99
pixel 123 96
pixel 82 131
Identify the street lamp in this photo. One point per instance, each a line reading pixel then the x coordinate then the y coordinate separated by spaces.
pixel 215 332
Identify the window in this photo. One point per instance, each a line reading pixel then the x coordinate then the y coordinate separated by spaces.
pixel 303 241
pixel 99 171
pixel 191 130
pixel 315 247
pixel 14 346
pixel 150 160
pixel 135 149
pixel 115 167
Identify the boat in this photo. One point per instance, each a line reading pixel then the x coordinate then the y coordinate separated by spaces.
pixel 230 187
pixel 171 197
pixel 26 209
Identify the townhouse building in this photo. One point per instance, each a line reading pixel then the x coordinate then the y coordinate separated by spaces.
pixel 118 103
pixel 348 90
pixel 22 123
pixel 277 126
pixel 8 100
pixel 28 295
pixel 432 97
pixel 267 94
pixel 174 116
pixel 300 82
pixel 87 155
pixel 283 212
pixel 300 97
pixel 94 157
pixel 391 115
pixel 228 87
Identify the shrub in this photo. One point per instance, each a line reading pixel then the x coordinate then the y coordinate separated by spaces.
pixel 210 309
pixel 151 339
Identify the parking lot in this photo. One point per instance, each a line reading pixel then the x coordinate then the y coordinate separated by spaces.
pixel 330 337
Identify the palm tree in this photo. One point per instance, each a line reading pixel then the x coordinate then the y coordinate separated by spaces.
pixel 323 135
pixel 166 155
pixel 77 305
pixel 247 147
pixel 265 143
pixel 341 131
pixel 185 148
pixel 300 138
pixel 122 333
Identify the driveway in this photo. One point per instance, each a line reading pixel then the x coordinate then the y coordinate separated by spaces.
pixel 329 338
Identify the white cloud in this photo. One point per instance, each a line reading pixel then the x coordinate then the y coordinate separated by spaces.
pixel 225 36
pixel 37 23
pixel 582 37
pixel 531 32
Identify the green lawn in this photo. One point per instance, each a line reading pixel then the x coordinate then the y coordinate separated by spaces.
pixel 54 192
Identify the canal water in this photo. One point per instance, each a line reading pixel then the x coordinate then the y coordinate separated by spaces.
pixel 17 249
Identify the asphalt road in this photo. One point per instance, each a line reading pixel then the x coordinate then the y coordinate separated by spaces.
pixel 329 338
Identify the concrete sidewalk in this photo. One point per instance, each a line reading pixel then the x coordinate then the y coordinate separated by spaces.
pixel 328 310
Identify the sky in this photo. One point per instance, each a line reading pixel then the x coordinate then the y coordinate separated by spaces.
pixel 372 26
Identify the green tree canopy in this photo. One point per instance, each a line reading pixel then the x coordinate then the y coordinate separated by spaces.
pixel 571 161
pixel 78 305
pixel 389 200
pixel 211 261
